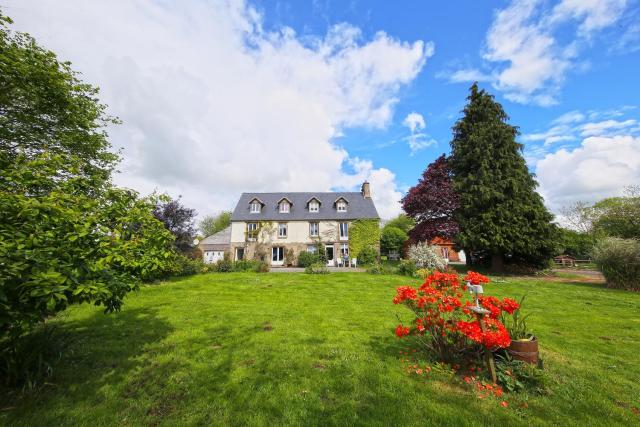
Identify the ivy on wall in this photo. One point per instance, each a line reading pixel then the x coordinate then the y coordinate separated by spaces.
pixel 364 233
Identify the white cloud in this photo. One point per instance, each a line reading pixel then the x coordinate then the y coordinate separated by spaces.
pixel 214 105
pixel 414 121
pixel 466 75
pixel 606 126
pixel 529 63
pixel 601 167
pixel 417 140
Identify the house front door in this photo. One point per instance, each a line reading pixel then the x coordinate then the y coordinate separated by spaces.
pixel 277 255
pixel 330 257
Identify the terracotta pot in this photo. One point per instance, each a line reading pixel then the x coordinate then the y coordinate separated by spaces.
pixel 525 350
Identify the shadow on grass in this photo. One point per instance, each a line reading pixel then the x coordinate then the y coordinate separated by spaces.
pixel 104 350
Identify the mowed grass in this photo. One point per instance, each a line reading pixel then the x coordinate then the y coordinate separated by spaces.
pixel 296 349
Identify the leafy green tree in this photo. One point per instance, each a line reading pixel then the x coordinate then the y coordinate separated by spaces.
pixel 618 216
pixel 500 211
pixel 576 244
pixel 403 222
pixel 44 107
pixel 392 239
pixel 67 236
pixel 211 224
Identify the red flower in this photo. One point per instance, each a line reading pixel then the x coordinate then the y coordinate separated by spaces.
pixel 404 293
pixel 475 278
pixel 402 331
pixel 504 404
pixel 509 305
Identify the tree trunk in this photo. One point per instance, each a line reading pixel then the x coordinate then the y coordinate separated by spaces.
pixel 497 263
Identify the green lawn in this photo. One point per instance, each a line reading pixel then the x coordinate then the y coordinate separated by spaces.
pixel 274 349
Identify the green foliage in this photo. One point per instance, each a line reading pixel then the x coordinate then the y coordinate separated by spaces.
pixel 317 268
pixel 517 376
pixel 392 239
pixel 403 222
pixel 500 210
pixel 44 107
pixel 619 261
pixel 29 360
pixel 368 255
pixel 363 233
pixel 211 224
pixel 305 259
pixel 380 268
pixel 261 267
pixel 618 216
pixel 289 257
pixel 407 267
pixel 185 266
pixel 516 324
pixel 576 244
pixel 60 247
pixel 224 266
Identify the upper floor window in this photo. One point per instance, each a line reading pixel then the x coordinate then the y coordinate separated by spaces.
pixel 284 206
pixel 252 230
pixel 344 230
pixel 314 206
pixel 341 206
pixel 255 207
pixel 314 229
pixel 282 230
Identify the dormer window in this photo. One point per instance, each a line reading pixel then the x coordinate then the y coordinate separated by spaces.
pixel 284 206
pixel 341 206
pixel 256 206
pixel 314 206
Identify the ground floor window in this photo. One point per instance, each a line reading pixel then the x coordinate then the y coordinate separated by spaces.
pixel 277 254
pixel 344 250
pixel 312 248
pixel 239 254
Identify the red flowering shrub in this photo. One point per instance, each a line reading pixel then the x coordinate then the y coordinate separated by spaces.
pixel 445 324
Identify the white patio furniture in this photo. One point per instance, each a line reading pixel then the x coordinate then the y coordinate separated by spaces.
pixel 354 262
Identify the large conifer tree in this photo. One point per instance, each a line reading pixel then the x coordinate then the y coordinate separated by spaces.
pixel 500 211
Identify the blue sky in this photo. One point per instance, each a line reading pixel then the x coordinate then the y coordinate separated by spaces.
pixel 220 97
pixel 602 78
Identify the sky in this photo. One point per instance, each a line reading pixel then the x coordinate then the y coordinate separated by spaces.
pixel 217 98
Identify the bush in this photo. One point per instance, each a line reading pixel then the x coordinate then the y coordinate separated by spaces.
pixel 317 268
pixel 423 273
pixel 367 256
pixel 261 267
pixel 244 265
pixel 28 360
pixel 224 266
pixel 407 267
pixel 426 256
pixel 185 266
pixel 619 261
pixel 305 259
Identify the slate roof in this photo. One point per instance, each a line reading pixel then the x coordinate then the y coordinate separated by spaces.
pixel 358 207
pixel 215 241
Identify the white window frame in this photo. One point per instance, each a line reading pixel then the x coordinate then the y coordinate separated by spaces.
pixel 341 206
pixel 284 207
pixel 277 252
pixel 317 227
pixel 251 227
pixel 313 249
pixel 344 249
pixel 344 230
pixel 256 207
pixel 314 206
pixel 282 226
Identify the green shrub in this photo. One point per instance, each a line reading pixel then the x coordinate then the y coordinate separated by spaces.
pixel 245 265
pixel 305 259
pixel 185 266
pixel 367 256
pixel 426 256
pixel 518 376
pixel 375 269
pixel 224 266
pixel 28 360
pixel 261 267
pixel 317 268
pixel 619 261
pixel 407 267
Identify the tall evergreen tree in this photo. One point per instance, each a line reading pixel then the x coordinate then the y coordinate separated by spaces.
pixel 500 211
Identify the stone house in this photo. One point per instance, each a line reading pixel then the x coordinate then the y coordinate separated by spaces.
pixel 269 225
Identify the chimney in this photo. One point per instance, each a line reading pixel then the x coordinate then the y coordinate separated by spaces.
pixel 366 190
